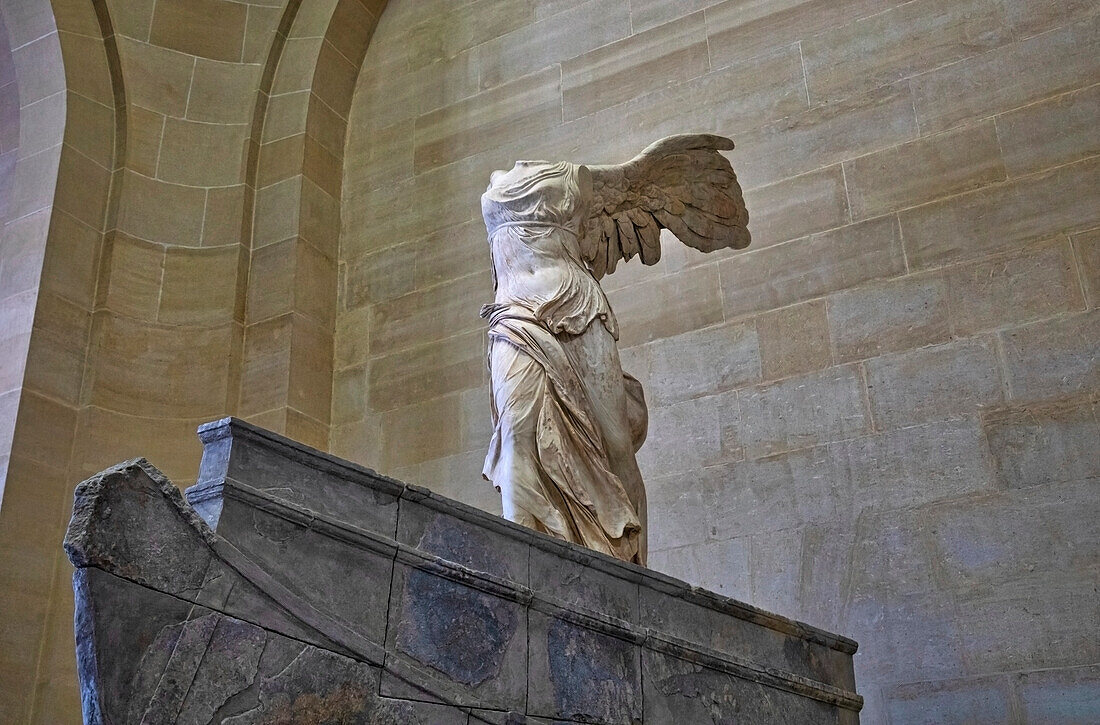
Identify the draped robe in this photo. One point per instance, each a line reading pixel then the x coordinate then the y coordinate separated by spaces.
pixel 567 421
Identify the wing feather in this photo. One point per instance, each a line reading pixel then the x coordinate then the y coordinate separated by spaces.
pixel 680 183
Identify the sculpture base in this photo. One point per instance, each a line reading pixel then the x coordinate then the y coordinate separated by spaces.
pixel 297 587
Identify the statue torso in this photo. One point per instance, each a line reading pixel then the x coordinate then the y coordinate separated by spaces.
pixel 534 214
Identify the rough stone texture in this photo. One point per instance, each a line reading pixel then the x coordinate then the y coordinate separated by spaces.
pixel 177 622
pixel 149 153
pixel 912 330
pixel 95 101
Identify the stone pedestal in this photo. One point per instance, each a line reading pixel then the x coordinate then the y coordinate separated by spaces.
pixel 297 587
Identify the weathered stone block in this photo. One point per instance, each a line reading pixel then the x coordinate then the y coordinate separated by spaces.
pixel 527 106
pixel 701 362
pixel 674 505
pixel 1059 357
pixel 236 452
pixel 770 494
pixel 572 33
pixel 668 306
pixel 445 34
pixel 412 435
pixel 971 700
pixel 798 206
pixel 687 436
pixel 1053 620
pixel 382 275
pixel 780 554
pixel 720 566
pixel 825 135
pixel 1072 694
pixel 935 383
pixel 824 586
pixel 1002 217
pixel 630 67
pixel 581 674
pixel 986 542
pixel 914 631
pixel 806 268
pixel 913 466
pixel 1087 249
pixel 1008 77
pixel 923 170
pixel 428 526
pixel 794 340
pixel 475 638
pixel 1044 442
pixel 899 43
pixel 437 368
pixel 205 29
pixel 803 411
pixel 576 580
pixel 1058 131
pixel 892 557
pixel 421 315
pixel 900 314
pixel 676 689
pixel 737 31
pixel 1036 282
pixel 348 579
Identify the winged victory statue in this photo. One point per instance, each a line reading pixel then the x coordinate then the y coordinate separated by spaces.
pixel 567 420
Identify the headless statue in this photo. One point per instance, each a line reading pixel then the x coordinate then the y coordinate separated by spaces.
pixel 567 420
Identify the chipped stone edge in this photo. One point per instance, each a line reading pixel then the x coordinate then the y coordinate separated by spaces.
pixel 333 633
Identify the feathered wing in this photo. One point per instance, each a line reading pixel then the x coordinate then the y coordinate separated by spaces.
pixel 680 183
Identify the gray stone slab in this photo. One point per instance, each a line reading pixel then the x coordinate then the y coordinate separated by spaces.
pixel 565 575
pixel 235 451
pixel 740 637
pixel 576 673
pixel 804 411
pixel 1045 442
pixel 681 691
pixel 296 610
pixel 971 700
pixel 425 527
pixel 933 383
pixel 472 638
pixel 347 579
pixel 1054 358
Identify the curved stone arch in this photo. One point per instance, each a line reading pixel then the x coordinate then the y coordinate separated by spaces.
pixel 295 225
pixel 72 120
pixel 95 149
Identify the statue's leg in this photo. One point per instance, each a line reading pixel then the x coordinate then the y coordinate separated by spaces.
pixel 518 384
pixel 596 357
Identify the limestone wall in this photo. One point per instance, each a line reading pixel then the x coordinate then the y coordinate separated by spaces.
pixel 15 312
pixel 882 417
pixel 175 214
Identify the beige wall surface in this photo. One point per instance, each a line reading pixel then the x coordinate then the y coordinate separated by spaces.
pixel 881 418
pixel 174 214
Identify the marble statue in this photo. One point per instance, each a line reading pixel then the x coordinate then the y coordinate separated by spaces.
pixel 567 420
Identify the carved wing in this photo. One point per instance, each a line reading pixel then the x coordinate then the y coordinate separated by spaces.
pixel 680 183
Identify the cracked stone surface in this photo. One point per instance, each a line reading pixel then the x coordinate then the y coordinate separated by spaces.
pixel 299 606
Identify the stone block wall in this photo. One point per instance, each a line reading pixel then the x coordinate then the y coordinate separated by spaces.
pixel 15 311
pixel 170 257
pixel 881 418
